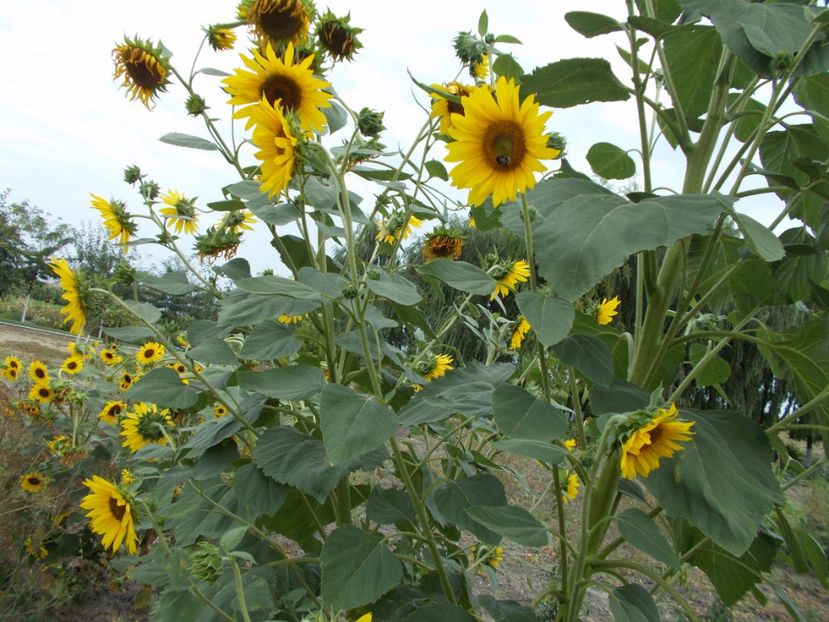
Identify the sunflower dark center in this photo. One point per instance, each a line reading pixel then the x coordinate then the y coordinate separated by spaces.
pixel 149 353
pixel 114 410
pixel 118 511
pixel 143 72
pixel 44 392
pixel 281 24
pixel 40 373
pixel 33 481
pixel 656 434
pixel 284 90
pixel 504 145
pixel 71 365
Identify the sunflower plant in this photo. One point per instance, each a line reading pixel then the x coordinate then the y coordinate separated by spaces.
pixel 321 447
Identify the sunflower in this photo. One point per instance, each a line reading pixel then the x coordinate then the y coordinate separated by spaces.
pixel 521 329
pixel 59 445
pixel 38 372
pixel 72 364
pixel 116 219
pixel 110 514
pixel 77 304
pixel 278 21
pixel 149 353
pixel 607 310
pixel 235 222
pixel 127 380
pixel 127 477
pixel 435 366
pixel 180 210
pixel 110 357
pixel 145 69
pixel 279 81
pixel 338 36
pixel 573 485
pixel 480 70
pixel 654 440
pixel 42 393
pixel 398 227
pixel 10 373
pixel 12 362
pixel 569 444
pixel 33 482
pixel 509 276
pixel 277 147
pixel 144 425
pixel 109 413
pixel 498 143
pixel 444 107
pixel 443 244
pixel 178 367
pixel 219 410
pixel 220 38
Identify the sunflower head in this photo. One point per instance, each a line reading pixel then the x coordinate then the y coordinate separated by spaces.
pixel 434 366
pixel 498 143
pixel 446 101
pixel 59 445
pixel 33 482
pixel 469 48
pixel 145 425
pixel 338 36
pixel 41 393
pixel 217 242
pixel 206 562
pixel 508 275
pixel 569 444
pixel 572 490
pixel 396 227
pixel 289 319
pixel 238 221
pixel 75 293
pixel 651 436
pixel 109 356
pixel 111 514
pixel 220 38
pixel 443 243
pixel 111 411
pixel 180 211
pixel 219 410
pixel 126 380
pixel 607 310
pixel 127 477
pixel 151 352
pixel 144 68
pixel 117 221
pixel 480 70
pixel 38 372
pixel 72 364
pixel 195 105
pixel 277 145
pixel 370 122
pixel 519 333
pixel 10 373
pixel 279 21
pixel 12 362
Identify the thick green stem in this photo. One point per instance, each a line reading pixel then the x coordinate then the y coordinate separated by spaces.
pixel 240 589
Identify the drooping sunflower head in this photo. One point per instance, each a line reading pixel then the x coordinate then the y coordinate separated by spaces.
pixel 72 364
pixel 217 242
pixel 238 221
pixel 111 411
pixel 110 514
pixel 75 293
pixel 127 477
pixel 282 82
pixel 607 310
pixel 396 227
pixel 434 366
pixel 498 143
pixel 443 243
pixel 33 482
pixel 508 276
pixel 145 424
pixel 655 436
pixel 278 22
pixel 338 36
pixel 519 333
pixel 151 352
pixel 446 101
pixel 220 38
pixel 572 491
pixel 180 211
pixel 117 220
pixel 42 393
pixel 277 144
pixel 145 69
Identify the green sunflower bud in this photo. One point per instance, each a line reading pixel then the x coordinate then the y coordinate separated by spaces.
pixel 350 292
pixel 206 562
pixel 469 49
pixel 370 122
pixel 132 174
pixel 195 105
pixel 149 190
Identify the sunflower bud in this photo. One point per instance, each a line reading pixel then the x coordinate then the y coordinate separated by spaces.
pixel 124 274
pixel 338 37
pixel 195 105
pixel 558 142
pixel 469 49
pixel 149 190
pixel 220 38
pixel 132 174
pixel 370 122
pixel 350 292
pixel 206 562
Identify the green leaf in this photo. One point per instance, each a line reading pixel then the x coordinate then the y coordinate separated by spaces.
pixel 815 555
pixel 444 612
pixel 459 275
pixel 209 71
pixel 387 506
pixel 633 603
pixel 295 382
pixel 192 516
pixel 721 482
pixel 591 24
pixel 448 503
pixel 213 351
pixel 395 288
pixel 641 531
pixel 506 65
pixel 664 10
pixel 610 162
pixel 144 311
pixel 186 140
pixel 129 334
pixel 750 116
pixel 162 386
pixel 483 23
pixel 716 371
pixel 235 269
pixel 512 522
pixel 507 39
pixel 520 414
pixel 269 340
pixel 273 284
pixel 538 450
pixel 693 55
pixel 506 610
pixel 229 205
pixel 353 424
pixel 619 397
pixel 174 283
pixel 357 568
pixel 551 317
pixel 759 237
pixel 335 117
pixel 435 168
pixel 803 264
pixel 572 82
pixel 588 354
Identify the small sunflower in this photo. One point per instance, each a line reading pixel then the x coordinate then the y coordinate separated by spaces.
pixel 573 485
pixel 398 227
pixel 180 211
pixel 110 514
pixel 38 372
pixel 12 362
pixel 110 412
pixel 116 219
pixel 145 69
pixel 236 222
pixel 144 425
pixel 279 21
pixel 443 244
pixel 443 107
pixel 519 334
pixel 181 340
pixel 110 356
pixel 76 298
pixel 149 353
pixel 280 81
pixel 509 276
pixel 435 366
pixel 607 310
pixel 127 380
pixel 480 70
pixel 42 393
pixel 569 444
pixel 179 367
pixel 495 558
pixel 277 147
pixel 72 364
pixel 220 38
pixel 219 410
pixel 654 440
pixel 59 445
pixel 10 373
pixel 127 477
pixel 33 482
pixel 498 143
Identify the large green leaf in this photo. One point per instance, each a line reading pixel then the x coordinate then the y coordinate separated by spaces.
pixel 460 275
pixel 129 334
pixel 213 351
pixel 174 283
pixel 587 236
pixel 633 603
pixel 352 423
pixel 163 386
pixel 693 54
pixel 270 340
pixel 551 317
pixel 296 382
pixel 591 24
pixel 641 531
pixel 759 237
pixel 588 354
pixel 721 482
pixel 395 288
pixel 520 414
pixel 610 162
pixel 387 506
pixel 187 140
pixel 572 82
pixel 804 263
pixel 513 522
pixel 357 568
pixel 241 308
pixel 448 503
pixel 539 450
pixel 272 284
pixel 193 516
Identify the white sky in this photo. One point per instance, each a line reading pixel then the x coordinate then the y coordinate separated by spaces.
pixel 67 129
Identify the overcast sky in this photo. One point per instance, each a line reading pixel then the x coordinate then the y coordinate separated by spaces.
pixel 67 129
